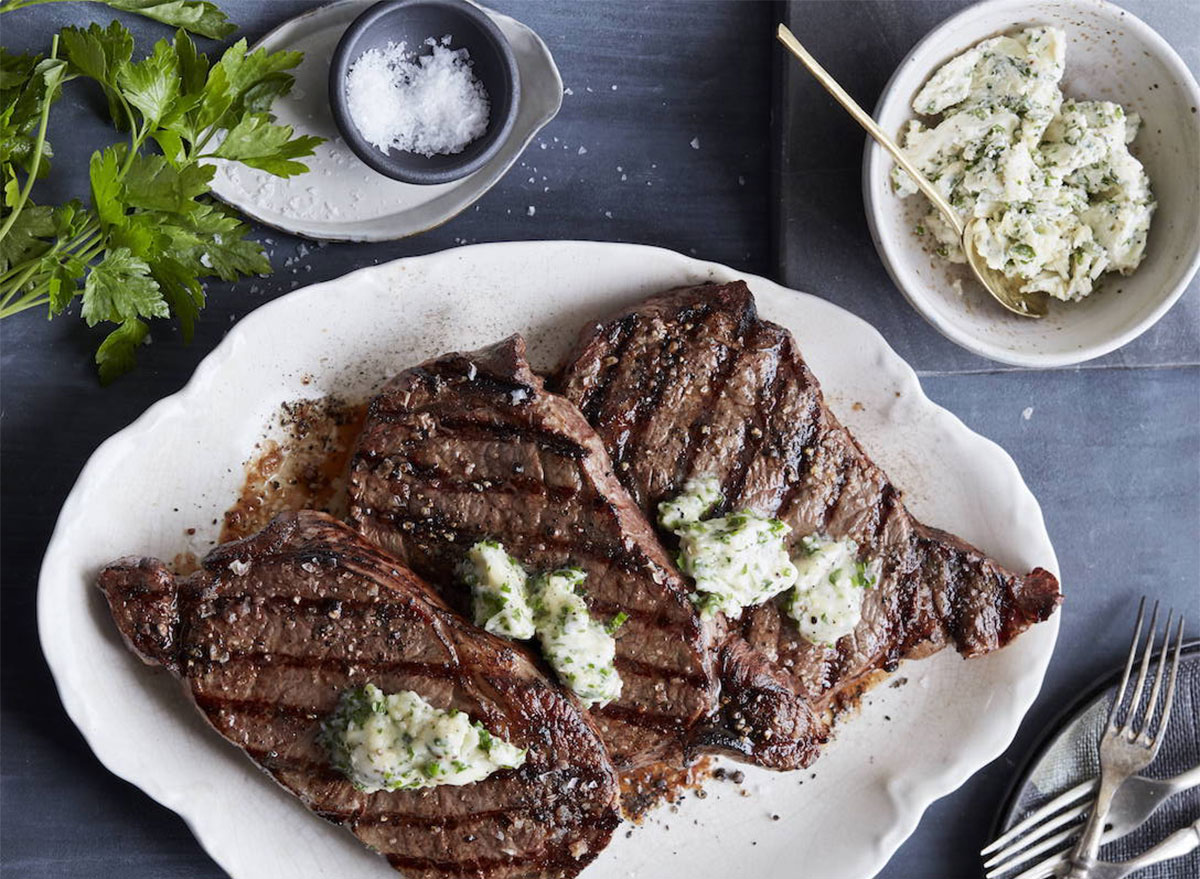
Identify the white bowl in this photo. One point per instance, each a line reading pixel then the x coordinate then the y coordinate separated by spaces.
pixel 1111 55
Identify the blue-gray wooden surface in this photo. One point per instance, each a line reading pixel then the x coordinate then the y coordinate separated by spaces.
pixel 1112 449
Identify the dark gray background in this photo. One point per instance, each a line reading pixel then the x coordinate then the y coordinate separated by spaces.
pixel 1112 449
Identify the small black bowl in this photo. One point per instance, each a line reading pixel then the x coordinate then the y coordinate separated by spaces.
pixel 412 22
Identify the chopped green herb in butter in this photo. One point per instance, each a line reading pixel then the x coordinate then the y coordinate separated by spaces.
pixel 698 498
pixel 398 741
pixel 581 650
pixel 499 591
pixel 827 601
pixel 736 561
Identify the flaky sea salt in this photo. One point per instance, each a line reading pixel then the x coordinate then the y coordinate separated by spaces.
pixel 430 105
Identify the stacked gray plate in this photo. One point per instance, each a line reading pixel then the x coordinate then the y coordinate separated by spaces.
pixel 1067 756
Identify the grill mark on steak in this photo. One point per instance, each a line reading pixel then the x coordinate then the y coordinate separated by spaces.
pixel 366 668
pixel 649 398
pixel 835 493
pixel 404 485
pixel 698 430
pixel 802 461
pixel 628 666
pixel 439 528
pixel 664 723
pixel 808 470
pixel 482 430
pixel 474 867
pixel 620 334
pixel 210 704
pixel 439 821
pixel 441 480
pixel 753 439
pixel 241 640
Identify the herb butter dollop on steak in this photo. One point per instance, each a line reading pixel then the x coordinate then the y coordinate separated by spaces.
pixel 271 632
pixel 471 447
pixel 692 384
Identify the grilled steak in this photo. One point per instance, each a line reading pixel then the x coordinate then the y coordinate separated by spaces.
pixel 692 382
pixel 272 629
pixel 470 446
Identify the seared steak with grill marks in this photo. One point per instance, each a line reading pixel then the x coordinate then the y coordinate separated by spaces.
pixel 471 446
pixel 691 382
pixel 272 629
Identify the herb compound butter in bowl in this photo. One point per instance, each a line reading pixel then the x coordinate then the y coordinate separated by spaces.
pixel 424 91
pixel 1108 279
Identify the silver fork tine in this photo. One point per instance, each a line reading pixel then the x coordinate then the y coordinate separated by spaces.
pixel 1166 715
pixel 1045 869
pixel 1144 732
pixel 1147 652
pixel 1014 857
pixel 1059 802
pixel 1137 634
pixel 1020 849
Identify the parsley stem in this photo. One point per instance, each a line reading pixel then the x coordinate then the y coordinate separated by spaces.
pixel 38 145
pixel 85 237
pixel 37 296
pixel 23 278
pixel 93 244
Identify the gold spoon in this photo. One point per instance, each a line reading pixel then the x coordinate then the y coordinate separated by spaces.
pixel 1003 289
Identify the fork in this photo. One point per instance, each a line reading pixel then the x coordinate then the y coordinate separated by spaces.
pixel 1132 806
pixel 1125 750
pixel 1178 844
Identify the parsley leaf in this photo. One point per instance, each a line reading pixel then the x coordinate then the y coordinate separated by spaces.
pixel 198 16
pixel 104 171
pixel 120 287
pixel 154 184
pixel 98 54
pixel 260 143
pixel 27 237
pixel 151 85
pixel 116 354
pixel 201 18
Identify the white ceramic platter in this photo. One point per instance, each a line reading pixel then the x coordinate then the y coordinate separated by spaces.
pixel 340 198
pixel 180 465
pixel 1110 55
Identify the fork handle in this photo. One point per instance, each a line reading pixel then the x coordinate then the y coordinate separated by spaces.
pixel 1176 845
pixel 1184 780
pixel 1083 856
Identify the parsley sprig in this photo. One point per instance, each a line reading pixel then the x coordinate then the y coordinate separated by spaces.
pixel 150 232
pixel 197 16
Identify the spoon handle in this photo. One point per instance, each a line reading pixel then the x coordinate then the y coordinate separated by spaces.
pixel 862 118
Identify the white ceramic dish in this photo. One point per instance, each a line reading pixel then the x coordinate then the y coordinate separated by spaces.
pixel 340 198
pixel 345 336
pixel 1111 55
